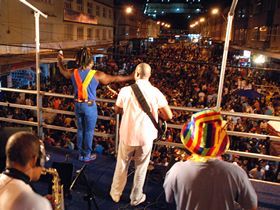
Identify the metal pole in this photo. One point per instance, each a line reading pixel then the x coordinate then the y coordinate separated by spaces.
pixel 226 46
pixel 37 14
pixel 38 76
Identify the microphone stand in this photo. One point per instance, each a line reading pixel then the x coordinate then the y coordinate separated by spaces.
pixel 90 196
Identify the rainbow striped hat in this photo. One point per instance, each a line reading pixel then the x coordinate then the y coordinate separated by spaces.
pixel 205 134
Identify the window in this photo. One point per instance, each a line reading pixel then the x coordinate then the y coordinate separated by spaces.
pixel 46 35
pixel 236 34
pixel 110 32
pixel 68 32
pixel 97 10
pixel 97 33
pixel 258 6
pixel 48 1
pixel 242 34
pixel 80 33
pixel 80 5
pixel 67 4
pixel 263 33
pixel 90 8
pixel 89 34
pixel 110 14
pixel 104 34
pixel 255 33
pixel 274 32
pixel 104 12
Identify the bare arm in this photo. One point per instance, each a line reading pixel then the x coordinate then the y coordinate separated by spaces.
pixel 165 113
pixel 67 73
pixel 107 78
pixel 118 110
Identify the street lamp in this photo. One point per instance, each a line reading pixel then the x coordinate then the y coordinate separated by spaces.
pixel 216 11
pixel 128 10
pixel 202 20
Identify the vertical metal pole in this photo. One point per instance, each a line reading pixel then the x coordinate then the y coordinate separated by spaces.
pixel 226 46
pixel 38 76
pixel 117 134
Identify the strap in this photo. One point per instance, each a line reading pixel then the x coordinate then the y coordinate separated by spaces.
pixel 82 86
pixel 142 101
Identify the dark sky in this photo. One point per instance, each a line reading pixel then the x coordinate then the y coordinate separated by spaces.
pixel 180 21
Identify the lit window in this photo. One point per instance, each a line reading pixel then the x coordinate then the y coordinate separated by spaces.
pixel 178 9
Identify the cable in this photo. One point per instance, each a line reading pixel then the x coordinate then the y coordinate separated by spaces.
pixel 155 202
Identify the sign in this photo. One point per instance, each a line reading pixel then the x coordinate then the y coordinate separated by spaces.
pixel 79 17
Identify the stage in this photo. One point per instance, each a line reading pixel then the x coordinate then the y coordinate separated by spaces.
pixel 100 173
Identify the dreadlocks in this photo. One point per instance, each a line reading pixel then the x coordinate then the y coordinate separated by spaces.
pixel 84 57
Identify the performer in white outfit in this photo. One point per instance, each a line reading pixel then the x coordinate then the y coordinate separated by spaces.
pixel 137 133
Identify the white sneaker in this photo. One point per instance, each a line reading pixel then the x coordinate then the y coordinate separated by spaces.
pixel 136 203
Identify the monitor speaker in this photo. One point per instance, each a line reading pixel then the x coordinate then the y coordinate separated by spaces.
pixel 65 171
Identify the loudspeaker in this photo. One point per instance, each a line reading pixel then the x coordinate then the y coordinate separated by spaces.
pixel 5 133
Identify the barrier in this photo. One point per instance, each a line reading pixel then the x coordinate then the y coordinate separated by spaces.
pixel 175 126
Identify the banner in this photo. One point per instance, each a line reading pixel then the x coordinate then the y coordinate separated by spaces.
pixel 79 17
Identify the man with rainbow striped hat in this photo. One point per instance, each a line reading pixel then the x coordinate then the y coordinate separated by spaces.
pixel 205 181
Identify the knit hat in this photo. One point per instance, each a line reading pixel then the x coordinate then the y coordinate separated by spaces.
pixel 205 135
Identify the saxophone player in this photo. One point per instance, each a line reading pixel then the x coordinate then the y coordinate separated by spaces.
pixel 25 161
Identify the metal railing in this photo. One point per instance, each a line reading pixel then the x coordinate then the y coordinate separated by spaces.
pixel 116 117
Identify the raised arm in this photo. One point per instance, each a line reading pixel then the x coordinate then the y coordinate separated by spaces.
pixel 107 78
pixel 67 73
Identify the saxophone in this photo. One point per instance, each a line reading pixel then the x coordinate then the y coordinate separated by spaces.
pixel 57 189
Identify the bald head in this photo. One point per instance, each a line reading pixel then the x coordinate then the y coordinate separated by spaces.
pixel 143 71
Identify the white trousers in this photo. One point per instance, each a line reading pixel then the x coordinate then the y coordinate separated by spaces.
pixel 141 156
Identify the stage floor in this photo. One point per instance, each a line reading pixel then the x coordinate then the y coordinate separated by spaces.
pixel 100 173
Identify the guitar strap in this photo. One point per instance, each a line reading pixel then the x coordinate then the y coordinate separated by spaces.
pixel 142 101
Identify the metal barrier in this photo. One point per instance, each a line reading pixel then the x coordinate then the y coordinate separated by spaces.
pixel 175 126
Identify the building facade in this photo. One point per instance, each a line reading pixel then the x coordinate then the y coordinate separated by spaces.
pixel 70 24
pixel 255 27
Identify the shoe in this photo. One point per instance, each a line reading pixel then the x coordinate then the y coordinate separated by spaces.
pixel 115 198
pixel 136 203
pixel 90 158
pixel 81 158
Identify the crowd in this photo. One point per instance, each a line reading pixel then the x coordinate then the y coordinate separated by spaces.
pixel 188 75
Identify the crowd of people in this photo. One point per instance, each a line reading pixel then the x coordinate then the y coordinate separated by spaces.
pixel 188 75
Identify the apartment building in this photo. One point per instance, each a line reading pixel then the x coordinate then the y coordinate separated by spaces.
pixel 70 24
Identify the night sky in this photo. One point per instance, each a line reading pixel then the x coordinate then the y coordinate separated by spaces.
pixel 180 21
